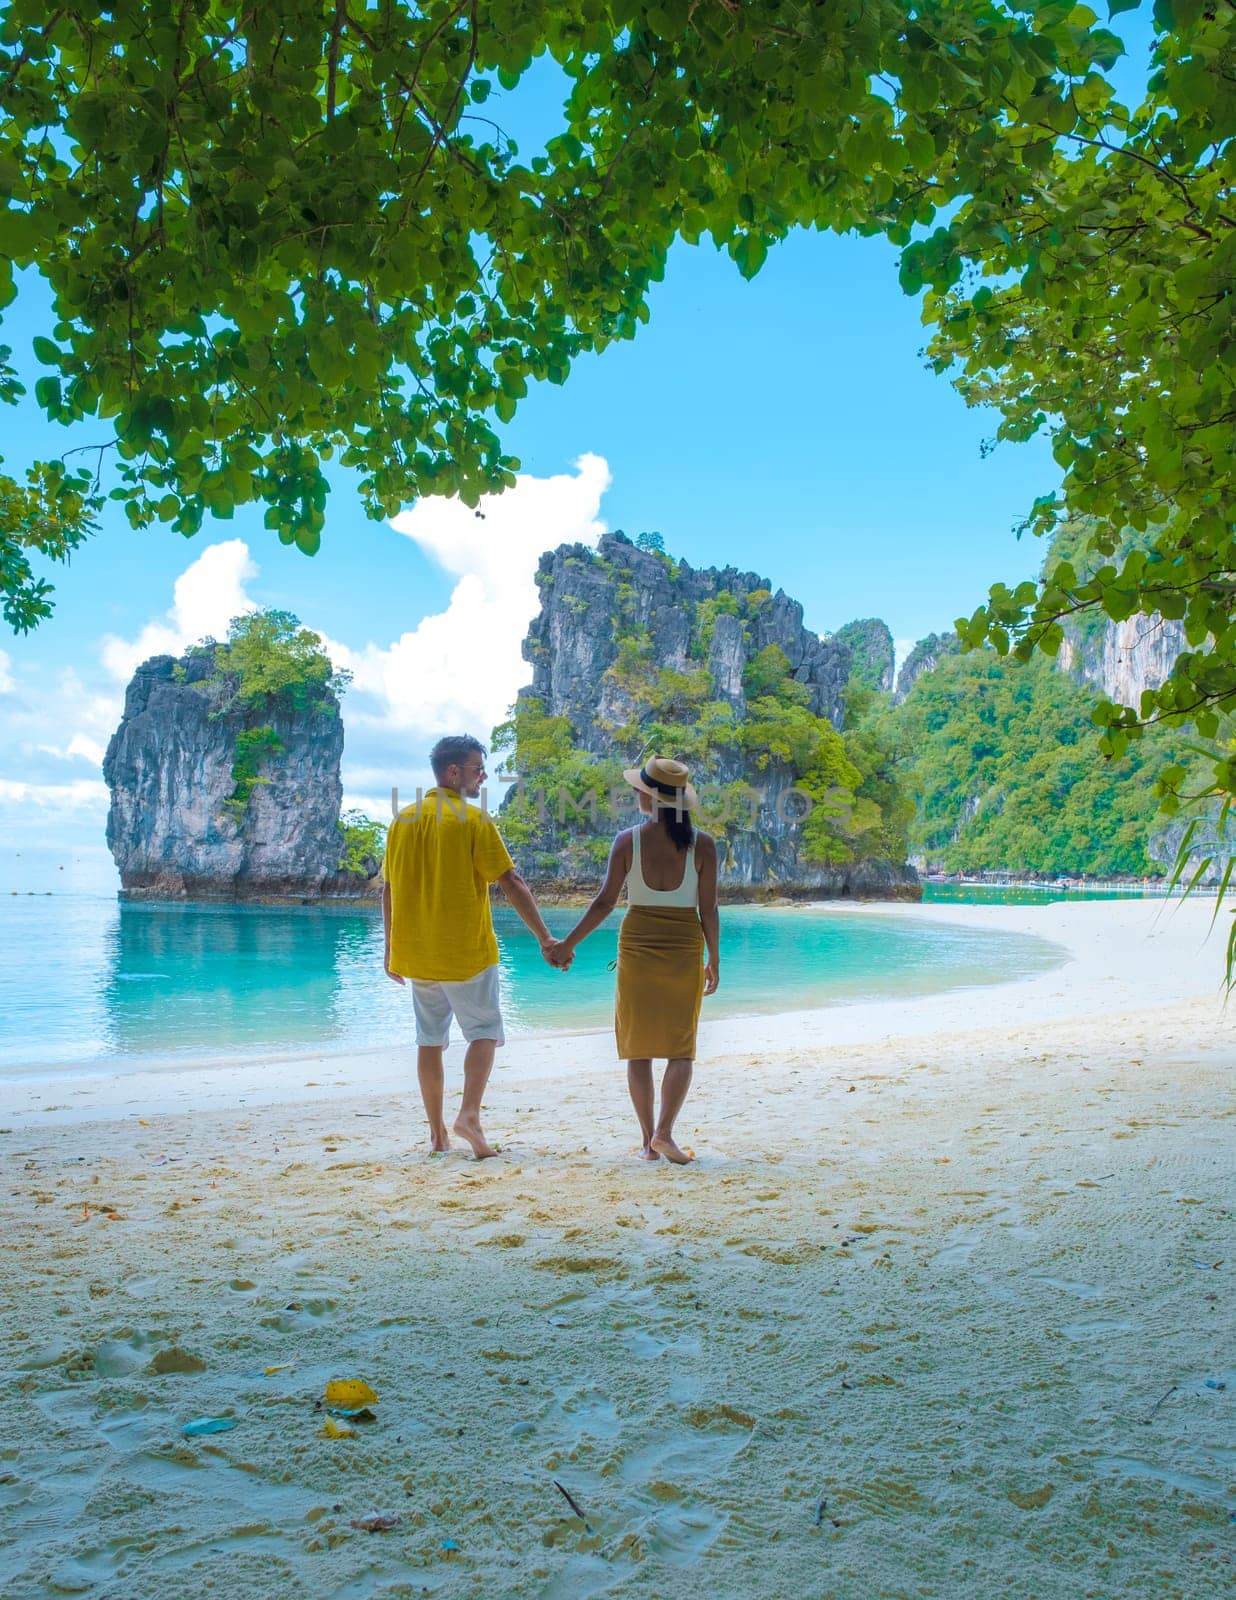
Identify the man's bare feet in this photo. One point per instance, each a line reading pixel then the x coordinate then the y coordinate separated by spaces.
pixel 470 1129
pixel 663 1145
pixel 647 1153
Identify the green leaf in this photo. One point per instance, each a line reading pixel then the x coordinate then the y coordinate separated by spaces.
pixel 749 253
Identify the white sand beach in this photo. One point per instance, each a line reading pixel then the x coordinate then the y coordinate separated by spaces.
pixel 943 1307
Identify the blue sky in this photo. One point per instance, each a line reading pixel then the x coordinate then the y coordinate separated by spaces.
pixel 786 426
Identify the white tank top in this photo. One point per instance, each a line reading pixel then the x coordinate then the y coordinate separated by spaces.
pixel 639 894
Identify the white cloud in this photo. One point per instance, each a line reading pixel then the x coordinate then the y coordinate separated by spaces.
pixel 207 595
pixel 6 676
pixel 373 805
pixel 459 669
pixel 86 749
pixel 83 794
pixel 79 747
pixel 41 710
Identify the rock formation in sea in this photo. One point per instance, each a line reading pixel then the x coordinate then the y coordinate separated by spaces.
pixel 588 595
pixel 176 828
pixel 630 646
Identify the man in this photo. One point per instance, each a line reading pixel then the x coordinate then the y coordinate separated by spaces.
pixel 441 857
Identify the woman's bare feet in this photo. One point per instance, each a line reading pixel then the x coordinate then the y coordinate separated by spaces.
pixel 439 1144
pixel 470 1129
pixel 663 1145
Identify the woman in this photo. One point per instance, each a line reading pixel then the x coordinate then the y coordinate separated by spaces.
pixel 670 872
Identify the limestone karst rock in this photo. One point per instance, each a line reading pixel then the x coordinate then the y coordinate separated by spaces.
pixel 685 620
pixel 169 768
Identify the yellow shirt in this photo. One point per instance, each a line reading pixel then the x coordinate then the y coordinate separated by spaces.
pixel 441 856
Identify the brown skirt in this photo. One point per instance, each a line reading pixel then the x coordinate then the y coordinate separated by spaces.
pixel 660 982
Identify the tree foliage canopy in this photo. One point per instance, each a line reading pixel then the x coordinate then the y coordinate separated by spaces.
pixel 283 233
pixel 269 657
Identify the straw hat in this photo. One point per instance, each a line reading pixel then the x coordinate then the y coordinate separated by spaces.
pixel 668 782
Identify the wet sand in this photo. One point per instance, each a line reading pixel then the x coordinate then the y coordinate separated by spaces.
pixel 942 1307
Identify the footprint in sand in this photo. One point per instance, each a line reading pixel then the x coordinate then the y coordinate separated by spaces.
pixel 671 1473
pixel 1192 1483
pixel 1084 1291
pixel 581 1413
pixel 1076 1331
pixel 89 1570
pixel 955 1254
pixel 680 1536
pixel 124 1418
pixel 995 1289
pixel 45 1356
pixel 649 1346
pixel 691 1452
pixel 395 1581
pixel 125 1352
pixel 581 1577
pixel 80 1574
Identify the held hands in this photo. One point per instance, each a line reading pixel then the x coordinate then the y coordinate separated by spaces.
pixel 559 954
pixel 712 976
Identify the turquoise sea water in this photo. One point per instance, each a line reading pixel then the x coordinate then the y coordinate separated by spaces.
pixel 87 981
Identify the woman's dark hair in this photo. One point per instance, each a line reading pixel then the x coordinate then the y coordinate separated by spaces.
pixel 678 825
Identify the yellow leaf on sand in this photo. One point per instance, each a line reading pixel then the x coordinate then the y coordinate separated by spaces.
pixel 269 1372
pixel 331 1429
pixel 349 1394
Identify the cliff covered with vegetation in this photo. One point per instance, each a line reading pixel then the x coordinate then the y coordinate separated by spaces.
pixel 1003 759
pixel 224 773
pixel 634 654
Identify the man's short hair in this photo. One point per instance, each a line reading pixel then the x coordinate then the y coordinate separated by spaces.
pixel 453 751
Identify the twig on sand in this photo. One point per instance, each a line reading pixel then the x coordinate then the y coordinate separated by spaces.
pixel 820 1511
pixel 1147 1420
pixel 573 1503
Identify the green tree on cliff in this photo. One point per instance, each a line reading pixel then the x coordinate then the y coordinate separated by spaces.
pixel 268 662
pixel 271 656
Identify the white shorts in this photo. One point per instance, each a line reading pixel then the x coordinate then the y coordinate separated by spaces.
pixel 473 1003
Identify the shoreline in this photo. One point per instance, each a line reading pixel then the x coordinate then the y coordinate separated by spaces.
pixel 1133 956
